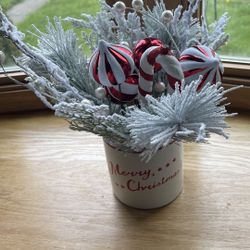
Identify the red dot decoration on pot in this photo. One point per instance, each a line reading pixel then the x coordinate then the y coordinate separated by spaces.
pixel 201 60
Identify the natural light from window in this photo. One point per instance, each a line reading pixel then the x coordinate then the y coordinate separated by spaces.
pixel 238 27
pixel 27 12
pixel 24 13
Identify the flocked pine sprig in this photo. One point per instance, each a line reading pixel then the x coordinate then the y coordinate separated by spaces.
pixel 127 26
pixel 150 17
pixel 183 116
pixel 157 25
pixel 8 30
pixel 111 25
pixel 184 27
pixel 180 33
pixel 178 29
pixel 217 36
pixel 134 31
pixel 187 16
pixel 61 47
pixel 100 26
pixel 57 73
pixel 96 119
pixel 213 36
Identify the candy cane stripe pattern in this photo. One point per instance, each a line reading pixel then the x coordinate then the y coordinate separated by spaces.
pixel 201 60
pixel 162 56
pixel 111 64
pixel 125 92
pixel 142 46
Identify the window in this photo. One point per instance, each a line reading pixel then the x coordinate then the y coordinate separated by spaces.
pixel 15 97
pixel 238 26
pixel 237 71
pixel 236 53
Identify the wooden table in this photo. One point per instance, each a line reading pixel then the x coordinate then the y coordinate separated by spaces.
pixel 55 193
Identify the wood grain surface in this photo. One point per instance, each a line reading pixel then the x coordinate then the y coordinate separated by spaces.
pixel 55 193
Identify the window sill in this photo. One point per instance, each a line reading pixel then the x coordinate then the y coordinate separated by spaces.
pixel 14 98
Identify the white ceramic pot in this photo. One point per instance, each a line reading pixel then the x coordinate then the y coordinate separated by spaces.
pixel 146 185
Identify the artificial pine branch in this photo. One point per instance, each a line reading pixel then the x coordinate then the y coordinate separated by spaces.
pixel 183 116
pixel 57 72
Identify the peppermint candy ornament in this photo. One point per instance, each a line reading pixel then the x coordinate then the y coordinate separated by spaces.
pixel 163 57
pixel 201 60
pixel 142 46
pixel 111 64
pixel 125 92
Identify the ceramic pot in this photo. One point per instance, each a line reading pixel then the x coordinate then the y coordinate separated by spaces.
pixel 146 185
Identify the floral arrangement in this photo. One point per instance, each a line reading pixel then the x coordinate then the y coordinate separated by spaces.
pixel 153 76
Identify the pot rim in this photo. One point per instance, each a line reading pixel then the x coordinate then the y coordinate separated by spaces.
pixel 132 151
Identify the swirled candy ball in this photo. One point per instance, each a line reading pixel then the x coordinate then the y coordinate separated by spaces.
pixel 142 46
pixel 111 64
pixel 125 92
pixel 201 60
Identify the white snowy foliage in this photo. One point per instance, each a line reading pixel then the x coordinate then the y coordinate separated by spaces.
pixel 184 26
pixel 57 72
pixel 185 29
pixel 213 36
pixel 183 116
pixel 62 48
pixel 111 26
pixel 96 119
pixel 216 36
pixel 8 30
pixel 152 28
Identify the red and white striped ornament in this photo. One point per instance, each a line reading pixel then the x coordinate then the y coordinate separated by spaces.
pixel 142 46
pixel 125 92
pixel 162 56
pixel 201 60
pixel 111 64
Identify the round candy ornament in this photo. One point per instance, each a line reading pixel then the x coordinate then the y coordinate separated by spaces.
pixel 125 92
pixel 170 65
pixel 111 64
pixel 201 60
pixel 142 46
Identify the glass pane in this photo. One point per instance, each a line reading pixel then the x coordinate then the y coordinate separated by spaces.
pixel 238 26
pixel 5 45
pixel 24 13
